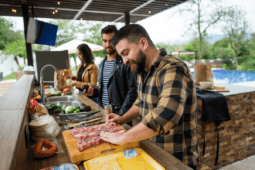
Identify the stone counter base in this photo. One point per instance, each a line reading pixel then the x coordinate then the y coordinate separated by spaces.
pixel 236 137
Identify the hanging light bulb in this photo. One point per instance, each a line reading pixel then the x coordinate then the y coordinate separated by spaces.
pixel 58 2
pixel 53 12
pixel 14 10
pixel 149 12
pixel 56 10
pixel 81 19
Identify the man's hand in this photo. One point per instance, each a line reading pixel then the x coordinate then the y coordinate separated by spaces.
pixel 113 137
pixel 114 118
pixel 90 91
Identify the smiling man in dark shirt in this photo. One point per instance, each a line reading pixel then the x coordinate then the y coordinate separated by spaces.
pixel 116 82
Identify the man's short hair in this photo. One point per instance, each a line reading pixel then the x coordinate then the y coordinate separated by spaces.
pixel 133 33
pixel 109 29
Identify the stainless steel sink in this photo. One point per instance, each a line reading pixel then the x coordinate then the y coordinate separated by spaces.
pixel 59 99
pixel 75 104
pixel 66 103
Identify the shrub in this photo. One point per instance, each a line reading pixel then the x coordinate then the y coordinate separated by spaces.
pixel 227 64
pixel 248 65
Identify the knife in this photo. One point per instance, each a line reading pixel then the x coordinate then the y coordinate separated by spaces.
pixel 85 125
pixel 77 120
pixel 77 115
pixel 76 124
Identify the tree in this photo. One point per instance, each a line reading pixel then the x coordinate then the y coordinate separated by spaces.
pixel 67 30
pixel 168 47
pixel 221 49
pixel 198 45
pixel 7 35
pixel 16 48
pixel 203 19
pixel 94 37
pixel 236 31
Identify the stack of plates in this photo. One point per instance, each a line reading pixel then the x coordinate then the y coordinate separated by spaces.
pixel 43 128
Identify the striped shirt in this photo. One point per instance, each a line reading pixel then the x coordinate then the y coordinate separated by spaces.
pixel 108 66
pixel 167 101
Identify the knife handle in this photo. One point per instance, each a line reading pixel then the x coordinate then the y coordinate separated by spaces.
pixel 77 124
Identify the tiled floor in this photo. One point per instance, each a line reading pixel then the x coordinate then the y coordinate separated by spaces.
pixel 5 85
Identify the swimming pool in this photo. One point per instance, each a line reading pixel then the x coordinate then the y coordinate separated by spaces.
pixel 230 77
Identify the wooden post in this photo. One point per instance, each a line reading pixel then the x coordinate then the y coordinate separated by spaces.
pixel 28 45
pixel 127 18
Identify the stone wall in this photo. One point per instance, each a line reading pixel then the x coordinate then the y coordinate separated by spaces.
pixel 236 137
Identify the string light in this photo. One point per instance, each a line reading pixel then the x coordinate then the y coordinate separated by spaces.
pixel 58 2
pixel 56 10
pixel 149 12
pixel 53 12
pixel 81 18
pixel 14 10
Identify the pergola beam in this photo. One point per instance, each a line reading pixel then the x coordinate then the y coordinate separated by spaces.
pixel 25 21
pixel 89 11
pixel 82 9
pixel 137 8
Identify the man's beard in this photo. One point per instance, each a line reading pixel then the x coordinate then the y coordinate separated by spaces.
pixel 113 50
pixel 139 64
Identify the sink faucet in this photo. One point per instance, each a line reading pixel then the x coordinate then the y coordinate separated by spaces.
pixel 41 80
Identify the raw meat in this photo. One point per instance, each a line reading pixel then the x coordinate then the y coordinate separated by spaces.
pixel 87 137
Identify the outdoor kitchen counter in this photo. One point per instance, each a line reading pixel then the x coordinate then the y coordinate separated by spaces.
pixel 168 161
pixel 16 150
pixel 235 138
pixel 235 89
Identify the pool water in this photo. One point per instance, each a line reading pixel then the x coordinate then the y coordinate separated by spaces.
pixel 231 77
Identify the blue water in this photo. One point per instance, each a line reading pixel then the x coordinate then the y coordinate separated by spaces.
pixel 231 77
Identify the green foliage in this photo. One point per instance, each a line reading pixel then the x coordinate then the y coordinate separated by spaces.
pixel 224 43
pixel 7 35
pixel 248 65
pixel 100 53
pixel 230 66
pixel 236 28
pixel 95 34
pixel 167 47
pixel 189 47
pixel 10 77
pixel 16 48
pixel 204 16
pixel 67 30
pixel 22 67
pixel 223 53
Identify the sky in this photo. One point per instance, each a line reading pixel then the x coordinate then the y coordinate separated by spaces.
pixel 171 27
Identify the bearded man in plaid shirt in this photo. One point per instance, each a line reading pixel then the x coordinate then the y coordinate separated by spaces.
pixel 166 102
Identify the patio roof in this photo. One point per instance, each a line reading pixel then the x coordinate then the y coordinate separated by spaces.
pixel 96 10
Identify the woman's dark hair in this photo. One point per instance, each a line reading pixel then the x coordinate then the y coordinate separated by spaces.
pixel 87 53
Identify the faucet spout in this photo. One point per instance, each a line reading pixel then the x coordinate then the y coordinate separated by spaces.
pixel 41 80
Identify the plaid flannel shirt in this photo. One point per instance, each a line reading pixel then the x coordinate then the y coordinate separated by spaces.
pixel 167 101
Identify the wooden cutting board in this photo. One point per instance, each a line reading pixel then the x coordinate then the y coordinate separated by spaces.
pixel 103 149
pixel 216 89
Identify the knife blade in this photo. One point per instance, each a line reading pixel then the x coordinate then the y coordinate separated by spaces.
pixel 76 124
pixel 77 120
